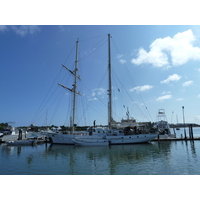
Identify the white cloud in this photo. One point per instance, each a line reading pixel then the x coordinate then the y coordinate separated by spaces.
pixel 187 83
pixel 180 48
pixel 61 28
pixel 98 91
pixel 198 96
pixel 119 57
pixel 162 98
pixel 174 77
pixel 196 119
pixel 197 69
pixel 166 92
pixel 3 28
pixel 179 99
pixel 141 88
pixel 87 53
pixel 24 30
pixel 122 61
pixel 93 99
pixel 21 30
pixel 154 57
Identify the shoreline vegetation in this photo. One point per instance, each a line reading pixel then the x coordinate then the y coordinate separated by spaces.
pixel 32 127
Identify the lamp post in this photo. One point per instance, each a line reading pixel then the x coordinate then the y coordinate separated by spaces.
pixel 184 122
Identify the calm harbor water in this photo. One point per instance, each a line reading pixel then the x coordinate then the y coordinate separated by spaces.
pixel 156 158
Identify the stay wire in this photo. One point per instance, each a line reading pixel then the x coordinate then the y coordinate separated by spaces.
pixel 35 118
pixel 40 107
pixel 82 40
pixel 88 54
pixel 131 78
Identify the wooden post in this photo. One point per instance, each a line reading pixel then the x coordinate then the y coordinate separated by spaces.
pixel 174 132
pixel 192 132
pixel 184 122
pixel 189 127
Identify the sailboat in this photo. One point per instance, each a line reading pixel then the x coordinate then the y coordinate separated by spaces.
pixel 101 136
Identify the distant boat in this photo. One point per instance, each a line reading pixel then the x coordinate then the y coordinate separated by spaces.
pixel 162 125
pixel 20 142
pixel 112 134
pixel 9 130
pixel 128 121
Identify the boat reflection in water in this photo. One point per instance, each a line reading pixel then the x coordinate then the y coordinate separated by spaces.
pixel 104 160
pixel 159 158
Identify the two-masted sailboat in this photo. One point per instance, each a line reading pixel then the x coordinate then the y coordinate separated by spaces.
pixel 101 136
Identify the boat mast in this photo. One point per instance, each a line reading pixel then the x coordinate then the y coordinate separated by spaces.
pixel 74 89
pixel 109 86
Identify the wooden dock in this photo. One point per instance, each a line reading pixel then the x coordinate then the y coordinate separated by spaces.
pixel 176 139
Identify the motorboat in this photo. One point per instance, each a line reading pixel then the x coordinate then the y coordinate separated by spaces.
pixel 20 142
pixel 162 125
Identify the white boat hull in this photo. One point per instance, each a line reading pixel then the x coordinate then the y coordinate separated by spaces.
pixel 132 139
pixel 91 142
pixel 58 138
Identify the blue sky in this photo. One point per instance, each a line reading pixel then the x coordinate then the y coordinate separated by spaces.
pixel 153 67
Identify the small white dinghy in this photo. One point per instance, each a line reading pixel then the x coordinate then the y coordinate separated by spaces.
pixel 91 142
pixel 21 142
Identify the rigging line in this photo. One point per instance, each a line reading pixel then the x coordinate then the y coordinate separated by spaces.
pixel 122 99
pixel 35 116
pixel 70 53
pixel 139 95
pixel 98 86
pixel 69 113
pixel 87 55
pixel 48 108
pixel 57 106
pixel 68 110
pixel 92 38
pixel 131 97
pixel 90 104
pixel 114 79
pixel 131 78
pixel 40 116
pixel 47 102
pixel 43 106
